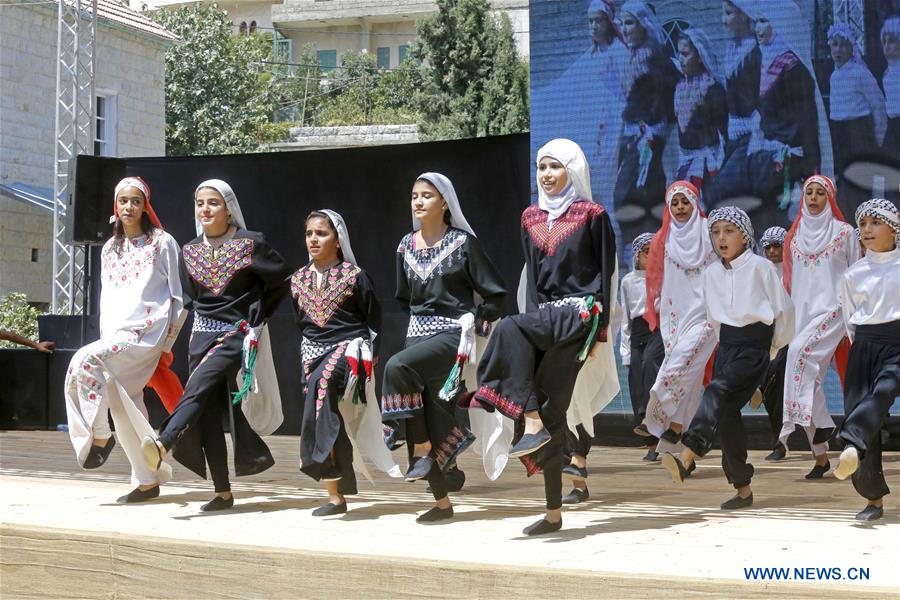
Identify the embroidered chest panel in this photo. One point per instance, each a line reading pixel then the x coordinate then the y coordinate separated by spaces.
pixel 215 270
pixel 691 271
pixel 133 265
pixel 321 302
pixel 424 263
pixel 548 239
pixel 837 246
pixel 782 64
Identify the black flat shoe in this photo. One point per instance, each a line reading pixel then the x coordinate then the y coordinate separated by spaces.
pixel 671 436
pixel 529 443
pixel 420 468
pixel 690 469
pixel 642 431
pixel 454 477
pixel 573 472
pixel 326 510
pixel 777 454
pixel 541 527
pixel 435 514
pixel 138 495
pixel 651 456
pixel 674 466
pixel 870 513
pixel 218 503
pixel 822 435
pixel 576 496
pixel 737 502
pixel 98 454
pixel 819 471
pixel 332 474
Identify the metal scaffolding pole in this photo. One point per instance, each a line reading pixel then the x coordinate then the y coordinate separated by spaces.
pixel 75 62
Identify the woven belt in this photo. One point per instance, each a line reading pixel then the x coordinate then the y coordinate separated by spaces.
pixel 420 326
pixel 205 324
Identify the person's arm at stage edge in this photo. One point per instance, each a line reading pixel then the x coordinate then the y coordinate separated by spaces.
pixel 9 336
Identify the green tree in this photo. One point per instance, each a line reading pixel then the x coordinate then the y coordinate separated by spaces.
pixel 473 81
pixel 18 316
pixel 218 95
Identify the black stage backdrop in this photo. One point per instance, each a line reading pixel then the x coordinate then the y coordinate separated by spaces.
pixel 369 187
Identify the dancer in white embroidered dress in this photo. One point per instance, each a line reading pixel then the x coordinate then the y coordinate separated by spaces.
pixel 141 312
pixel 818 249
pixel 680 251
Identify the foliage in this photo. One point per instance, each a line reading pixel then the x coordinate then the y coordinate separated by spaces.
pixel 473 82
pixel 17 316
pixel 218 99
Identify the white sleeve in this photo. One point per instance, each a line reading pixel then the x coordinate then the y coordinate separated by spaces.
pixel 848 306
pixel 875 98
pixel 625 332
pixel 169 253
pixel 783 308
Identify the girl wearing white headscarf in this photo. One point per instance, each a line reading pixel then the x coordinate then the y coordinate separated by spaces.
pixel 233 281
pixel 789 139
pixel 442 273
pixel 649 81
pixel 701 110
pixel 678 255
pixel 338 317
pixel 141 313
pixel 741 72
pixel 818 249
pixel 531 369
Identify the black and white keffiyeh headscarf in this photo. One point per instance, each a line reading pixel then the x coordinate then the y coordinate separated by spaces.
pixel 736 216
pixel 772 236
pixel 638 245
pixel 883 210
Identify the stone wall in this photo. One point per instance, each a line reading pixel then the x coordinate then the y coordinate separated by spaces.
pixel 310 138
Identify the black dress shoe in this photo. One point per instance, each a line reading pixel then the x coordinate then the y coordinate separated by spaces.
pixel 529 443
pixel 870 513
pixel 573 472
pixel 541 527
pixel 454 477
pixel 138 495
pixel 671 436
pixel 331 474
pixel 737 502
pixel 218 503
pixel 326 510
pixel 420 468
pixel 777 454
pixel 818 471
pixel 642 431
pixel 576 496
pixel 690 469
pixel 651 456
pixel 822 435
pixel 435 514
pixel 675 467
pixel 98 454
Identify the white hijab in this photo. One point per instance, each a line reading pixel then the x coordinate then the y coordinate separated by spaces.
pixel 445 187
pixel 343 234
pixel 231 203
pixel 569 154
pixel 687 243
pixel 647 18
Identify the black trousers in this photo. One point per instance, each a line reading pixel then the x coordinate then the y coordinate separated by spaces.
pixel 412 381
pixel 773 392
pixel 870 388
pixel 740 364
pixel 194 432
pixel 577 444
pixel 530 364
pixel 647 354
pixel 323 439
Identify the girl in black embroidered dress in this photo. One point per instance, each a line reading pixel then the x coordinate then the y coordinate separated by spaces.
pixel 233 281
pixel 440 267
pixel 338 317
pixel 533 359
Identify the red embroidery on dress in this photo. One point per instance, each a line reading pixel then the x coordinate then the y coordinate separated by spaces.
pixel 506 406
pixel 548 239
pixel 320 303
pixel 784 62
pixel 401 402
pixel 214 273
pixel 133 264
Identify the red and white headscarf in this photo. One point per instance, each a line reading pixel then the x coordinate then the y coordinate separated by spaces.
pixel 812 233
pixel 141 185
pixel 687 243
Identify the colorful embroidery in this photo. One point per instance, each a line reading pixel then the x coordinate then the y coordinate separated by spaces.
pixel 691 271
pixel 321 302
pixel 784 62
pixel 325 377
pixel 548 239
pixel 531 465
pixel 452 445
pixel 798 412
pixel 670 377
pixel 215 270
pixel 136 261
pixel 836 246
pixel 401 403
pixel 506 406
pixel 423 262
